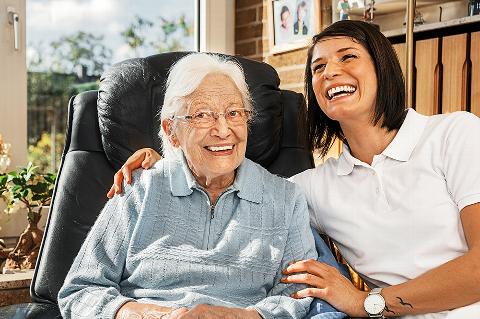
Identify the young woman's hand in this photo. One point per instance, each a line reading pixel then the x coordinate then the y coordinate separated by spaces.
pixel 144 157
pixel 326 283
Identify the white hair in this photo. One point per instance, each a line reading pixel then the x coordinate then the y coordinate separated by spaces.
pixel 185 76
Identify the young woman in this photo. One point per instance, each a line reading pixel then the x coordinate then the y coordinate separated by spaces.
pixel 402 202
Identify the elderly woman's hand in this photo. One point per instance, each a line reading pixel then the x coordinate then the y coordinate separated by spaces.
pixel 326 283
pixel 144 157
pixel 215 312
pixel 132 309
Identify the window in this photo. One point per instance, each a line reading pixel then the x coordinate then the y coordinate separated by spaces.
pixel 71 42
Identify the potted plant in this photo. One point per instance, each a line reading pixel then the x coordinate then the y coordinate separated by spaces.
pixel 26 189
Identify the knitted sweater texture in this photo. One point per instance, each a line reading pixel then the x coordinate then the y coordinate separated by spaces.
pixel 163 242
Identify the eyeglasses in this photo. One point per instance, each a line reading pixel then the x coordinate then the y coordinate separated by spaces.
pixel 207 118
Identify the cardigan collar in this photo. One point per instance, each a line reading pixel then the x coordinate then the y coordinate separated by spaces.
pixel 246 184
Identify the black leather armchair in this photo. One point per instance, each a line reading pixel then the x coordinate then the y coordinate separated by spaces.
pixel 106 126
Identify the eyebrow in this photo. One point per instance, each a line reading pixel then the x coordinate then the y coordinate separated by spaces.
pixel 338 51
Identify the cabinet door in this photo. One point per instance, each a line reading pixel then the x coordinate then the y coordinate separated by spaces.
pixel 475 58
pixel 426 63
pixel 454 61
pixel 401 54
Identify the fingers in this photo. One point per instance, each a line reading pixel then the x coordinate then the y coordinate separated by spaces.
pixel 111 192
pixel 309 292
pixel 127 173
pixel 151 157
pixel 118 181
pixel 145 157
pixel 148 161
pixel 116 188
pixel 310 265
pixel 305 278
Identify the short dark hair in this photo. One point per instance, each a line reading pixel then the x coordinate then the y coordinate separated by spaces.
pixel 390 101
pixel 283 10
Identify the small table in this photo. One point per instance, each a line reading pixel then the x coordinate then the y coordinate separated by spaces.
pixel 15 288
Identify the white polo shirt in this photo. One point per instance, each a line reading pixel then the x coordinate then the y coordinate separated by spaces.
pixel 399 217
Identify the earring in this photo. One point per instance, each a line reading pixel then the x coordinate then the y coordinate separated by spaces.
pixel 174 140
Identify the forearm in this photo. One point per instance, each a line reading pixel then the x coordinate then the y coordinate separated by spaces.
pixel 248 313
pixel 449 286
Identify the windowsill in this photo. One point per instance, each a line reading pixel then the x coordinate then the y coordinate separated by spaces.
pixel 15 288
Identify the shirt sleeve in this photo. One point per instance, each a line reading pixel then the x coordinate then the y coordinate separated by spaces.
pixel 91 288
pixel 300 245
pixel 461 156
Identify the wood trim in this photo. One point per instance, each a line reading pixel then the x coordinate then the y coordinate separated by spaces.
pixel 475 87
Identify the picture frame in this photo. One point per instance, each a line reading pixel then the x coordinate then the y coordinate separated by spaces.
pixel 292 23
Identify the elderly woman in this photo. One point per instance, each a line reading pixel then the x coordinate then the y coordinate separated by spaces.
pixel 207 232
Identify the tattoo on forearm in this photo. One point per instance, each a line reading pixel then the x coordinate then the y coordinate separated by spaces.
pixel 403 303
pixel 388 310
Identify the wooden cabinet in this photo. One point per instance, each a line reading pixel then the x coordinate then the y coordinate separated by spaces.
pixel 427 76
pixel 446 68
pixel 454 62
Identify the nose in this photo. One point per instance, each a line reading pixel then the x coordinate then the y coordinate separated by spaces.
pixel 331 70
pixel 221 127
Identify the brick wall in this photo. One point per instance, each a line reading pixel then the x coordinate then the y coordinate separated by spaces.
pixel 252 40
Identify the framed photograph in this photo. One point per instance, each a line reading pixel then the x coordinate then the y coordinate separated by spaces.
pixel 292 23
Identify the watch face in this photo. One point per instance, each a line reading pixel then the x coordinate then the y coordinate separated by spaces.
pixel 374 304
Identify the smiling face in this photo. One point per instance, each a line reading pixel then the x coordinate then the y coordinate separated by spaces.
pixel 284 18
pixel 213 152
pixel 344 79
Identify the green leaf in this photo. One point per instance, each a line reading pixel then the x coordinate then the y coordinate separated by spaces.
pixel 39 187
pixel 37 197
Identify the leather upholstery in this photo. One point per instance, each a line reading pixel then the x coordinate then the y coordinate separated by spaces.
pixel 106 127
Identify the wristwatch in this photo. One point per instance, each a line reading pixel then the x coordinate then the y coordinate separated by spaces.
pixel 374 304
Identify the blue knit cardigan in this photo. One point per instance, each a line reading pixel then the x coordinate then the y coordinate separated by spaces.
pixel 163 242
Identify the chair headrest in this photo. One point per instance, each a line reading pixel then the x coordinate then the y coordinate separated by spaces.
pixel 131 94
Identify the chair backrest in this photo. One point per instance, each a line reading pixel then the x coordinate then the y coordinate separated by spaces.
pixel 106 126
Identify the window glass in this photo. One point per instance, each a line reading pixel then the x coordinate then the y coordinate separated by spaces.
pixel 71 42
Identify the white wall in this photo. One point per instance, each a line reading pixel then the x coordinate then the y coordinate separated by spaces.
pixel 13 102
pixel 217 26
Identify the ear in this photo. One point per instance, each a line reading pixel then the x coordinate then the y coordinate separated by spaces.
pixel 168 128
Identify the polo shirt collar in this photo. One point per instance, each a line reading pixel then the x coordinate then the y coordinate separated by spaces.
pixel 346 162
pixel 246 184
pixel 403 144
pixel 400 148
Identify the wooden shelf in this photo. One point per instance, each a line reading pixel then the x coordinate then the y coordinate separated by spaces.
pixel 435 26
pixel 383 7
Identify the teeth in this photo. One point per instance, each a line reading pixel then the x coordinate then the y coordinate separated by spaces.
pixel 342 88
pixel 219 148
